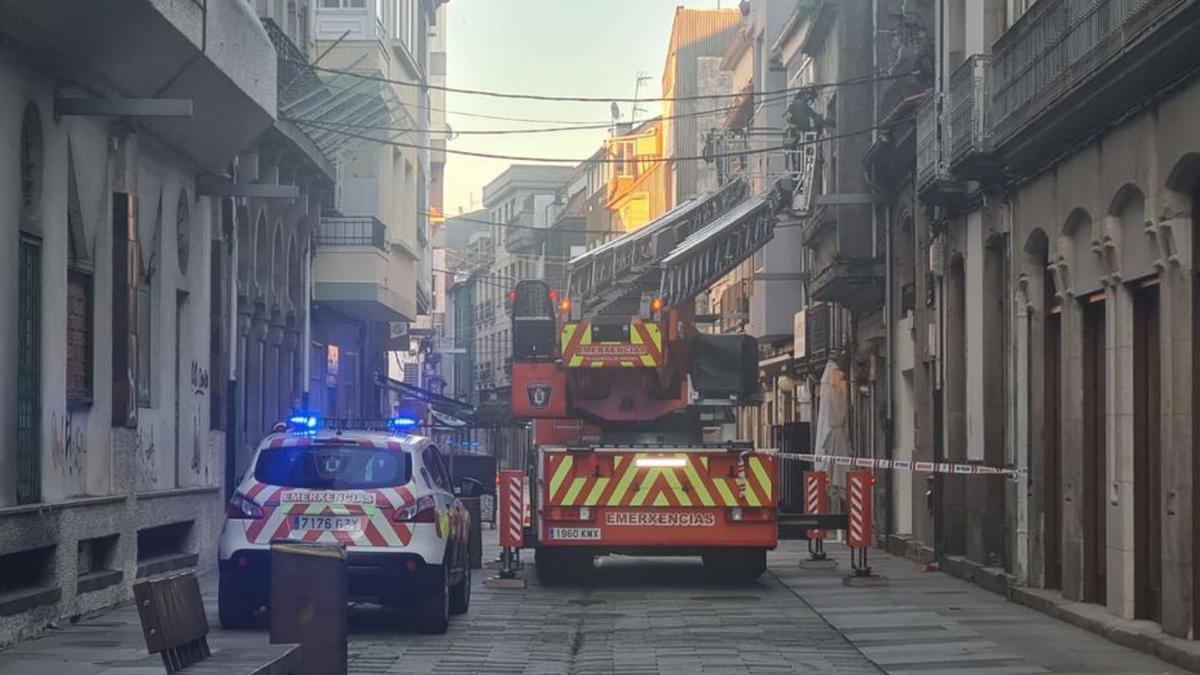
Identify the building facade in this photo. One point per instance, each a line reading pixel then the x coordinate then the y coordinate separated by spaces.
pixel 118 314
pixel 372 262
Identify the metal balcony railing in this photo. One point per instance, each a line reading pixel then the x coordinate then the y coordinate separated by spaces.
pixel 352 231
pixel 931 139
pixel 1057 46
pixel 969 110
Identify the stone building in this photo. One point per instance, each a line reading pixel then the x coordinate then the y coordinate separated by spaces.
pixel 125 218
pixel 371 267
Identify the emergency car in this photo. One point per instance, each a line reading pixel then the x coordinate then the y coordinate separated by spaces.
pixel 384 494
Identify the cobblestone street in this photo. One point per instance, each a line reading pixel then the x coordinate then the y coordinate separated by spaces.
pixel 645 615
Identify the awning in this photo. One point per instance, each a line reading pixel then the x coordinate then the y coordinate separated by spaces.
pixel 446 420
pixel 451 407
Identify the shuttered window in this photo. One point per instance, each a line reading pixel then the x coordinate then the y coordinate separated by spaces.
pixel 79 337
pixel 29 376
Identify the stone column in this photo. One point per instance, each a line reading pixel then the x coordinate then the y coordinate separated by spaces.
pixel 271 376
pixel 1073 487
pixel 1118 450
pixel 241 391
pixel 1178 319
pixel 254 379
pixel 289 395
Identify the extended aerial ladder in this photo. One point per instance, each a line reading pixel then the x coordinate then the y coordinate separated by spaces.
pixel 633 406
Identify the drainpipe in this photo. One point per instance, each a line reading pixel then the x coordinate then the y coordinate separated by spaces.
pixel 306 347
pixel 231 384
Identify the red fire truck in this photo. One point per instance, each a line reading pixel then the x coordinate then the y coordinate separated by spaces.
pixel 632 405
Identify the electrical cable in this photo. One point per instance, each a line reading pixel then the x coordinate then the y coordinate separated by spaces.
pixel 567 126
pixel 575 161
pixel 588 99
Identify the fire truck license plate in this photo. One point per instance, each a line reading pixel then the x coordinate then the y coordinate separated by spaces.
pixel 327 523
pixel 575 533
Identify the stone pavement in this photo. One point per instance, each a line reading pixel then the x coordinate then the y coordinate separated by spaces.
pixel 645 615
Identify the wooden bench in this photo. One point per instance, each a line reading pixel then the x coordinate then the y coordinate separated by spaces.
pixel 176 627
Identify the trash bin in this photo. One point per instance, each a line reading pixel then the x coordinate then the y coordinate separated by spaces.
pixel 308 603
pixel 475 541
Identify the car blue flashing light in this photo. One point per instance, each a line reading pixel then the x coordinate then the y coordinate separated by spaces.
pixel 304 422
pixel 401 423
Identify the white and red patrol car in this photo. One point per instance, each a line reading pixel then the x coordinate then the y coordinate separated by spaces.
pixel 385 495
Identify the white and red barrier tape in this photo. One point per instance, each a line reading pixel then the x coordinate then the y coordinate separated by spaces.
pixel 903 465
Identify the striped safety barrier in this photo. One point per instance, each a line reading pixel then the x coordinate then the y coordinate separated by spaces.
pixel 512 508
pixel 858 490
pixel 816 498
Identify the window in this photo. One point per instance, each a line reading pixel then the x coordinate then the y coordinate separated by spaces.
pixel 79 297
pixel 433 461
pixel 333 468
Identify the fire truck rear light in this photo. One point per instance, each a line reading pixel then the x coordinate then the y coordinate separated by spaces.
pixel 750 515
pixel 410 565
pixel 568 513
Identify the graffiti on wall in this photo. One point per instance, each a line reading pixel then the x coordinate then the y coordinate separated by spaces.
pixel 199 382
pixel 68 444
pixel 146 457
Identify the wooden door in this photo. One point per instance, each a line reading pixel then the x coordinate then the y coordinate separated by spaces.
pixel 1095 478
pixel 1147 464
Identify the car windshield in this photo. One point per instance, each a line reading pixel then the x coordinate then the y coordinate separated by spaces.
pixel 333 467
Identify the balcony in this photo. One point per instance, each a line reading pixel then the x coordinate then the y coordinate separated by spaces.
pixel 970 141
pixel 520 235
pixel 933 172
pixel 352 231
pixel 857 284
pixel 1067 68
pixel 216 54
pixel 354 272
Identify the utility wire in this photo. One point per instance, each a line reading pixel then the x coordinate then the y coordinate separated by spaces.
pixel 549 160
pixel 564 126
pixel 588 99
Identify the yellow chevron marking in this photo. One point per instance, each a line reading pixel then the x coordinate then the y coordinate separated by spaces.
pixel 727 496
pixel 748 494
pixel 593 497
pixel 698 483
pixel 647 361
pixel 560 473
pixel 626 478
pixel 643 490
pixel 573 491
pixel 680 493
pixel 760 473
pixel 597 364
pixel 661 500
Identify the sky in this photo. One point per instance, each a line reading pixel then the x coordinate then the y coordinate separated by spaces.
pixel 560 47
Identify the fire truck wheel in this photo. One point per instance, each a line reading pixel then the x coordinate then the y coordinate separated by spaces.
pixel 556 566
pixel 460 594
pixel 434 612
pixel 737 565
pixel 551 565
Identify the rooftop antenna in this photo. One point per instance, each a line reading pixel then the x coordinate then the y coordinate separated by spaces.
pixel 642 76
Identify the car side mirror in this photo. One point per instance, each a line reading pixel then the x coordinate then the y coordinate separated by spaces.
pixel 469 487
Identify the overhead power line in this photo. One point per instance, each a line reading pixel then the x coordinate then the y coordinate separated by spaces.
pixel 594 99
pixel 555 160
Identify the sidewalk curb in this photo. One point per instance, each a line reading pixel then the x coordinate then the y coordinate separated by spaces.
pixel 1150 640
pixel 1095 619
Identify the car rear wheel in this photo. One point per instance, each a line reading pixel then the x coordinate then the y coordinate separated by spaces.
pixel 236 610
pixel 460 593
pixel 434 613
